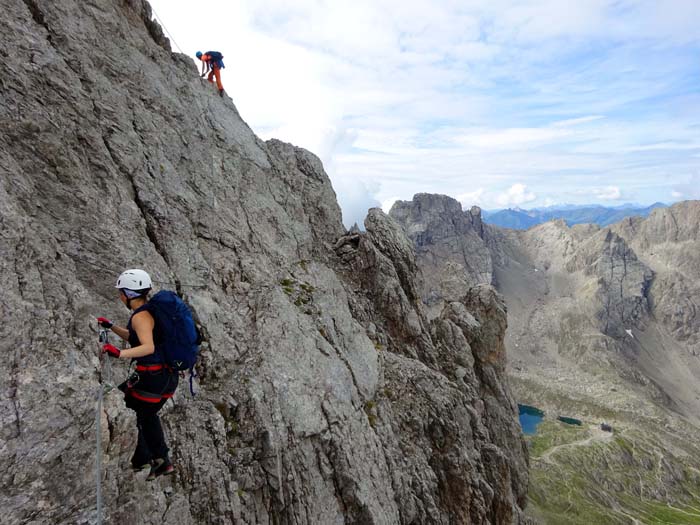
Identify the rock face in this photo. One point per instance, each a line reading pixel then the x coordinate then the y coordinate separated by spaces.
pixel 449 244
pixel 668 241
pixel 621 281
pixel 326 394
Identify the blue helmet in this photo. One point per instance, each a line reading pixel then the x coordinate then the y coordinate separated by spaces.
pixel 198 54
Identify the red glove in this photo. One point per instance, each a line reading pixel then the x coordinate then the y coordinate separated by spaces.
pixel 112 350
pixel 104 322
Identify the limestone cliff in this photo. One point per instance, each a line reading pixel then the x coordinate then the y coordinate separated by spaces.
pixel 668 242
pixel 326 395
pixel 449 244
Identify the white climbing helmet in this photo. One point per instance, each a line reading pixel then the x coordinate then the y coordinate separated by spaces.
pixel 134 280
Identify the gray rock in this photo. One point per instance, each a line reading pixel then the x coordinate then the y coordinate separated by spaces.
pixel 668 241
pixel 450 245
pixel 622 282
pixel 427 352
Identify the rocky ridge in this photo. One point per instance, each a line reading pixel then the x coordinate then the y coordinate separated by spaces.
pixel 326 392
pixel 449 244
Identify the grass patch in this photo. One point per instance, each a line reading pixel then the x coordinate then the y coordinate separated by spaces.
pixel 658 512
pixel 612 481
pixel 551 433
pixel 566 502
pixel 301 294
pixel 370 410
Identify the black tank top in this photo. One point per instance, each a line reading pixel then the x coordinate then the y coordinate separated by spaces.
pixel 153 358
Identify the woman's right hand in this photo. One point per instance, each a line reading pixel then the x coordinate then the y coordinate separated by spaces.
pixel 104 322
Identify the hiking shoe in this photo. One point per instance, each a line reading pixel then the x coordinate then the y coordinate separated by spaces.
pixel 221 92
pixel 138 468
pixel 160 467
pixel 139 463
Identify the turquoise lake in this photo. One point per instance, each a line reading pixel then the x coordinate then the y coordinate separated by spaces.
pixel 530 417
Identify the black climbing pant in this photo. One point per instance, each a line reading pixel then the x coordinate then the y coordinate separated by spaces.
pixel 151 441
pixel 145 392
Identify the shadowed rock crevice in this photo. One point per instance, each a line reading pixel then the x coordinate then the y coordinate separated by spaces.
pixel 38 17
pixel 14 395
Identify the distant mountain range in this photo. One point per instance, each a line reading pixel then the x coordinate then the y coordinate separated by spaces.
pixel 520 219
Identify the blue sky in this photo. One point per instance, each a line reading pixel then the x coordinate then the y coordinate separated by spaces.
pixel 497 103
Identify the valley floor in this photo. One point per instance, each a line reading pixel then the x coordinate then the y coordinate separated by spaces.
pixel 647 471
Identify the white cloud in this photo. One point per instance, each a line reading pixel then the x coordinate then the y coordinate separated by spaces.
pixel 355 198
pixel 472 198
pixel 609 193
pixel 688 190
pixel 577 121
pixel 600 193
pixel 516 195
pixel 664 146
pixel 511 138
pixel 541 20
pixel 388 203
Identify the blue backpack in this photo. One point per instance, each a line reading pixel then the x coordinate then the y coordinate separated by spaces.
pixel 179 339
pixel 216 58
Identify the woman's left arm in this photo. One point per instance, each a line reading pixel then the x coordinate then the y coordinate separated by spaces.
pixel 143 324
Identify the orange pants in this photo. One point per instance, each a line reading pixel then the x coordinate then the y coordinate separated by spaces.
pixel 215 72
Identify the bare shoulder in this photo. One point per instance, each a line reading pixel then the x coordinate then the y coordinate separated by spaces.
pixel 143 318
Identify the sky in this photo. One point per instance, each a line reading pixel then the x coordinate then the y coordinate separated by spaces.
pixel 497 103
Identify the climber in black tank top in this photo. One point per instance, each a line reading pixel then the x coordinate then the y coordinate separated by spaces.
pixel 152 384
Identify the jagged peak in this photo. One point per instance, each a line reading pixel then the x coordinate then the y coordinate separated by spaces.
pixel 432 201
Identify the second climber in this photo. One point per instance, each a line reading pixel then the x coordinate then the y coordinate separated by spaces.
pixel 212 62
